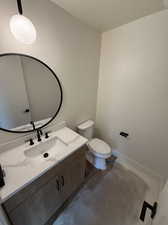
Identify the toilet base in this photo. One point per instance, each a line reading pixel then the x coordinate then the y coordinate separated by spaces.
pixel 97 162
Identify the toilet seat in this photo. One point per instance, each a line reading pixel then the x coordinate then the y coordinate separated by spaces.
pixel 99 148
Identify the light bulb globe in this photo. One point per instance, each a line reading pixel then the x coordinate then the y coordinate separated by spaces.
pixel 22 29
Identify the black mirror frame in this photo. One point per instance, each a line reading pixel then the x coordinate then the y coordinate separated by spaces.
pixel 61 100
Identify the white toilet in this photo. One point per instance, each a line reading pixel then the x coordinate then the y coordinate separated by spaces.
pixel 99 151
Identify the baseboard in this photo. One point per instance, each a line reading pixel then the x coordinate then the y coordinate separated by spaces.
pixel 127 161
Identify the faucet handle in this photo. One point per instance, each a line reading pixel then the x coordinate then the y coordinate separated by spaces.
pixel 31 141
pixel 46 135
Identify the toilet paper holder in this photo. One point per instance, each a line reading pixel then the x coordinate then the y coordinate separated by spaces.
pixel 124 134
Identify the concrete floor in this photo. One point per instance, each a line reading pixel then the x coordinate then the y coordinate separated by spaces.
pixel 112 197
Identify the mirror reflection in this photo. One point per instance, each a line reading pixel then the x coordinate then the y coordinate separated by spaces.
pixel 30 93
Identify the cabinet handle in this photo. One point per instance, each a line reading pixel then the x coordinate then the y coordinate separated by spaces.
pixel 58 185
pixel 62 181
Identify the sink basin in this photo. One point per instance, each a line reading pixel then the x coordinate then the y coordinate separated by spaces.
pixel 41 148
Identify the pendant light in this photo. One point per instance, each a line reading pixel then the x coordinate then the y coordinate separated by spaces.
pixel 21 27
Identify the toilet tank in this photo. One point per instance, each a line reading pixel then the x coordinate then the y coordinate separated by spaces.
pixel 86 129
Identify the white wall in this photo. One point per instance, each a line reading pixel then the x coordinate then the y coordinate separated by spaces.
pixel 133 90
pixel 70 48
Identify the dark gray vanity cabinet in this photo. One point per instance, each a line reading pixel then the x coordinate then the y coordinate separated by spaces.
pixel 38 202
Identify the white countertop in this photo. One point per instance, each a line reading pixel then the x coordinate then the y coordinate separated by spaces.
pixel 21 171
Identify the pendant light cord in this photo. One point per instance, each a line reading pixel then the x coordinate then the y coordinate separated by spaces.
pixel 20 9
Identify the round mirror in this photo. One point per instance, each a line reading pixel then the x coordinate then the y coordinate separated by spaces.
pixel 30 93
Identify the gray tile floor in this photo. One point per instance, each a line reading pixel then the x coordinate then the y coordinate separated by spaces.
pixel 112 197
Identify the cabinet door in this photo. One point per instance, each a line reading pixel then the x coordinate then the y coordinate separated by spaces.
pixel 39 207
pixel 65 183
pixel 73 172
pixel 77 174
pixel 76 170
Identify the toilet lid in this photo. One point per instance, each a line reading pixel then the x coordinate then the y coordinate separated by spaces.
pixel 99 146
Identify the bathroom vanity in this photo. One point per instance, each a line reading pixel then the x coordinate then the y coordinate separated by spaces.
pixel 41 187
pixel 38 202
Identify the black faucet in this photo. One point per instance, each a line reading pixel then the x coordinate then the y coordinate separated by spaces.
pixel 39 134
